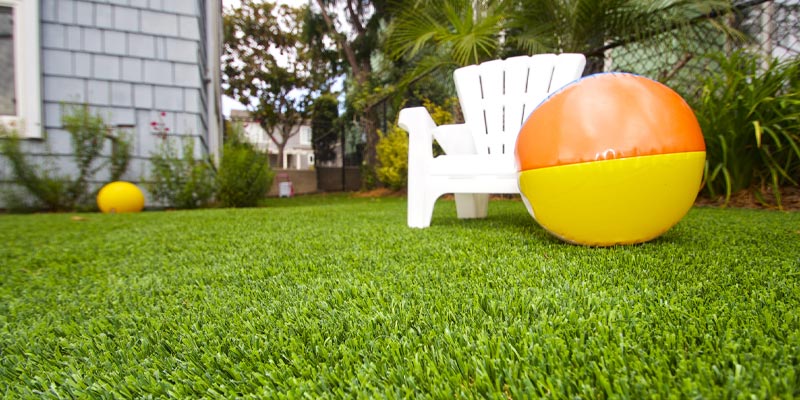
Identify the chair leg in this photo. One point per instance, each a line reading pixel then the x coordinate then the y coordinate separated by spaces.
pixel 472 205
pixel 420 217
pixel 420 206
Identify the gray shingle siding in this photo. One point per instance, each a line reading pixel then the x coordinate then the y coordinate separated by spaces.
pixel 84 13
pixel 66 11
pixel 83 65
pixel 115 42
pixel 126 19
pixel 104 15
pixel 142 46
pixel 128 60
pixel 159 23
pixel 93 40
pixel 150 43
pixel 188 28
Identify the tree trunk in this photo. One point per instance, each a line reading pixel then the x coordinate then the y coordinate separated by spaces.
pixel 594 65
pixel 368 118
pixel 280 155
pixel 369 123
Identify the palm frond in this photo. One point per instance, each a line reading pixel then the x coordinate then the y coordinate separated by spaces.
pixel 468 30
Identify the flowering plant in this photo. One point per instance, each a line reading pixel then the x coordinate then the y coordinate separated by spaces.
pixel 177 178
pixel 160 127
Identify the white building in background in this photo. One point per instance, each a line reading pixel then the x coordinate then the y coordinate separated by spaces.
pixel 298 153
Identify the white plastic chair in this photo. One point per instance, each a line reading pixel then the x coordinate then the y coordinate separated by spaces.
pixel 496 97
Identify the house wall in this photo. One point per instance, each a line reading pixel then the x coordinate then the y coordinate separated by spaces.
pixel 129 60
pixel 299 150
pixel 297 153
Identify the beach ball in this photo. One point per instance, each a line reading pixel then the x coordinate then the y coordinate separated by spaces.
pixel 610 159
pixel 120 197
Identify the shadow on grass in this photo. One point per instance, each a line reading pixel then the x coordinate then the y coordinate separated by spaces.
pixel 514 221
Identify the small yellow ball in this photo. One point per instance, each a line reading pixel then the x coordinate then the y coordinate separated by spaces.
pixel 120 197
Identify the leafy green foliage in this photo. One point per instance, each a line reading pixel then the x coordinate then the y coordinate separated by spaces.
pixel 357 42
pixel 270 70
pixel 467 30
pixel 244 176
pixel 55 192
pixel 121 152
pixel 393 147
pixel 177 178
pixel 393 158
pixel 750 118
pixel 463 32
pixel 330 297
pixel 325 127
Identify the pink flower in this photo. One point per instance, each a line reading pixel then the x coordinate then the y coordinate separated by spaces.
pixel 154 124
pixel 166 129
pixel 163 114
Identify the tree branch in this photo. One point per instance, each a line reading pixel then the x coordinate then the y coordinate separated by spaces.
pixel 343 44
pixel 667 75
pixel 354 19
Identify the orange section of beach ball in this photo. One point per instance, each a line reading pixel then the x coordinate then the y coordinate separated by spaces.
pixel 607 116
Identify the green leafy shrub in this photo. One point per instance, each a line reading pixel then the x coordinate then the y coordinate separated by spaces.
pixel 244 176
pixel 750 116
pixel 393 157
pixel 392 148
pixel 177 179
pixel 55 192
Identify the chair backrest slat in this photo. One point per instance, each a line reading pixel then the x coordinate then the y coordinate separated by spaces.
pixel 497 96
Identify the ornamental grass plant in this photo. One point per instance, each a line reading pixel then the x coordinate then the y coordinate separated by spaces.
pixel 750 116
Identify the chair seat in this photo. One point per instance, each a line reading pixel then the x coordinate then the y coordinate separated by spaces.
pixel 472 165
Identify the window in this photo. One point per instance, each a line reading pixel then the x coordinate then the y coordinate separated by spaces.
pixel 7 95
pixel 20 88
pixel 305 135
pixel 311 159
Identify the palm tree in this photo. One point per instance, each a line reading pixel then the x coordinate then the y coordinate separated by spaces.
pixel 463 32
pixel 457 32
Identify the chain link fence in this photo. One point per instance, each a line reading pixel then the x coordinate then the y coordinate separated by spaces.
pixel 681 56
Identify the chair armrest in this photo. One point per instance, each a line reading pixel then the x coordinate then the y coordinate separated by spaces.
pixel 419 125
pixel 455 139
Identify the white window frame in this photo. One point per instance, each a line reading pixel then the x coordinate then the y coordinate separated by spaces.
pixel 27 70
pixel 305 135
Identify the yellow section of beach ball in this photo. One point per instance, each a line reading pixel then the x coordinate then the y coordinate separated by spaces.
pixel 120 197
pixel 619 201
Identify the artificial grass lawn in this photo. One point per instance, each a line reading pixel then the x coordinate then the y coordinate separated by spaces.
pixel 330 296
